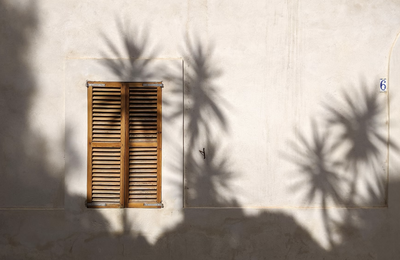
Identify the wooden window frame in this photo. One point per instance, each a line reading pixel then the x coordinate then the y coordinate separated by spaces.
pixel 128 143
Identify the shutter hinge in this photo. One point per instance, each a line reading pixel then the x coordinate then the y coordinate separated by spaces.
pixel 154 205
pixel 153 85
pixel 101 204
pixel 95 85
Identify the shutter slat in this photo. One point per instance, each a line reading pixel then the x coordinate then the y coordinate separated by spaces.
pixel 109 105
pixel 106 140
pixel 107 131
pixel 143 157
pixel 136 188
pixel 140 149
pixel 108 94
pixel 107 183
pixel 145 124
pixel 142 179
pixel 106 170
pixel 143 135
pixel 105 200
pixel 106 175
pixel 142 170
pixel 143 131
pixel 143 174
pixel 143 102
pixel 99 97
pixel 142 162
pixel 147 183
pixel 111 123
pixel 105 192
pixel 106 188
pixel 107 110
pixel 107 166
pixel 106 103
pixel 141 106
pixel 111 114
pixel 105 195
pixel 108 158
pixel 106 127
pixel 105 179
pixel 144 153
pixel 146 166
pixel 142 196
pixel 106 135
pixel 106 162
pixel 106 89
pixel 144 114
pixel 115 118
pixel 110 153
pixel 143 192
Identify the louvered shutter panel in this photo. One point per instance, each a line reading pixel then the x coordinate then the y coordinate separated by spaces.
pixel 106 145
pixel 144 131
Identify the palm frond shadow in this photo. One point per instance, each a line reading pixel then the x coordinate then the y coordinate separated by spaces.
pixel 361 125
pixel 332 166
pixel 203 115
pixel 88 234
pixel 203 99
pixel 209 179
pixel 205 180
pixel 316 168
pixel 135 47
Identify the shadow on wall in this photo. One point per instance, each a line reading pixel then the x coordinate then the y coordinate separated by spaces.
pixel 202 234
pixel 343 162
pixel 229 233
pixel 205 179
pixel 135 44
pixel 24 153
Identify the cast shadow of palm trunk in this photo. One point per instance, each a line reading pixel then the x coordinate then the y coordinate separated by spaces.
pixel 30 178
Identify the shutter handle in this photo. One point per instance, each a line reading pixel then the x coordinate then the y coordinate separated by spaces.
pixel 203 153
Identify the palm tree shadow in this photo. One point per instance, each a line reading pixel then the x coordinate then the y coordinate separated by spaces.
pixel 27 155
pixel 317 167
pixel 203 113
pixel 135 44
pixel 336 166
pixel 205 180
pixel 202 96
pixel 361 138
pixel 318 173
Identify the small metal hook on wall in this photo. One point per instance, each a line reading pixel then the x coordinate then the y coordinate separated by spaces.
pixel 203 153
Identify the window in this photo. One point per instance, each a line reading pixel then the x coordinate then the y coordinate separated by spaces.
pixel 124 144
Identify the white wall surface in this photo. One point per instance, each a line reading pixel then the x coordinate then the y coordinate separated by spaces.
pixel 301 146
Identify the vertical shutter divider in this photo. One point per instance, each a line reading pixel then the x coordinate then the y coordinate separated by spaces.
pixel 159 143
pixel 89 146
pixel 123 145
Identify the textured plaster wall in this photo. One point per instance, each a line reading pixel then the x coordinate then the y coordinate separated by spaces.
pixel 301 147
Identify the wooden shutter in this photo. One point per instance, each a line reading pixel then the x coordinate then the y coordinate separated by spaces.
pixel 124 145
pixel 144 167
pixel 106 141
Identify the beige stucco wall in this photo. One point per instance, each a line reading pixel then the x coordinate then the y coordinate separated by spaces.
pixel 301 146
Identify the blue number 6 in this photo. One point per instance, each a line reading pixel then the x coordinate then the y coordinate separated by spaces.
pixel 383 84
